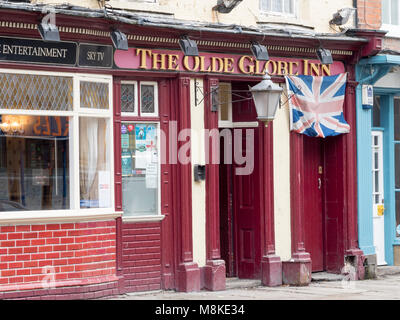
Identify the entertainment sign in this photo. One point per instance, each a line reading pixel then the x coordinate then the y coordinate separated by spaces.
pixel 55 53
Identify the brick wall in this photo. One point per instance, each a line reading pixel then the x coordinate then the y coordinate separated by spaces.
pixel 369 14
pixel 141 256
pixel 77 253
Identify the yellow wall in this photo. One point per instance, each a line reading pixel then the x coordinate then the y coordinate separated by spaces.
pixel 198 188
pixel 310 14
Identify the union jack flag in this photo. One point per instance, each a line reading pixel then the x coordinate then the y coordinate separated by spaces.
pixel 316 105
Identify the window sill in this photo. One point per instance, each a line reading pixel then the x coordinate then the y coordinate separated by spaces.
pixel 284 20
pixel 154 218
pixel 57 217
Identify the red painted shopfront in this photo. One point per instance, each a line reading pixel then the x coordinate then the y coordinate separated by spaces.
pixel 119 247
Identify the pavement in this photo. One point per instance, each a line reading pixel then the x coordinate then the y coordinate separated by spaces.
pixel 324 286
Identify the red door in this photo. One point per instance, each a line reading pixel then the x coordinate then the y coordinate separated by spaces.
pixel 246 204
pixel 313 209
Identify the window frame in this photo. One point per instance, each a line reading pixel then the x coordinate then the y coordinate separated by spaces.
pixel 156 111
pixel 136 99
pixel 393 29
pixel 277 13
pixel 74 212
pixel 127 117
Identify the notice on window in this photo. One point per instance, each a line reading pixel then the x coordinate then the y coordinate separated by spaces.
pixel 151 176
pixel 40 177
pixel 104 189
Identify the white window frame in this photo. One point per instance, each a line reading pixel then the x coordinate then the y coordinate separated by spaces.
pixel 393 29
pixel 277 13
pixel 158 216
pixel 135 97
pixel 75 213
pixel 147 83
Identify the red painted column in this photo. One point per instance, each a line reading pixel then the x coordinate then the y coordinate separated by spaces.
pixel 271 264
pixel 350 145
pixel 166 100
pixel 298 270
pixel 214 271
pixel 118 182
pixel 188 272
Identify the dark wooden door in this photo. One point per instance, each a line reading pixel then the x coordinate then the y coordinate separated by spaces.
pixel 313 201
pixel 246 204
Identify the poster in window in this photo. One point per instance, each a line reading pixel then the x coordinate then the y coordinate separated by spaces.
pixel 104 189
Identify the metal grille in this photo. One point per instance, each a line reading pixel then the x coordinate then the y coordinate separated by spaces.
pixel 35 92
pixel 127 97
pixel 94 95
pixel 147 99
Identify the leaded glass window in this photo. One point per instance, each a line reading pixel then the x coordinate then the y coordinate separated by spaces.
pixel 36 92
pixel 148 99
pixel 128 98
pixel 94 95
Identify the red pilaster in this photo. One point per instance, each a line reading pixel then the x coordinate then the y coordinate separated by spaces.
pixel 188 273
pixel 352 248
pixel 298 270
pixel 214 271
pixel 271 264
pixel 118 182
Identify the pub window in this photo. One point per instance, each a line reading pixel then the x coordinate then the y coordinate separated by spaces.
pixel 283 7
pixel 55 142
pixel 140 154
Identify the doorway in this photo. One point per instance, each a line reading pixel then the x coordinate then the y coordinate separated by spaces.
pixel 240 196
pixel 313 204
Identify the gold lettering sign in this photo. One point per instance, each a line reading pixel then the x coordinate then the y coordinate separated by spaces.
pixel 168 60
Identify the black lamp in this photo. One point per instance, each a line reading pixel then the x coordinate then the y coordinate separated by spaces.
pixel 188 46
pixel 259 51
pixel 48 31
pixel 324 55
pixel 119 40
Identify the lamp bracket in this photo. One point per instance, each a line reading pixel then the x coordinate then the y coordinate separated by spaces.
pixel 213 94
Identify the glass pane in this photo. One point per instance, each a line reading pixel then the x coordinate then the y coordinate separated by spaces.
pixel 94 163
pixel 147 99
pixel 396 119
pixel 34 163
pixel 397 211
pixel 277 5
pixel 376 141
pixel 377 200
pixel 139 161
pixel 376 181
pixel 94 95
pixel 376 112
pixel 265 5
pixel 225 98
pixel 288 6
pixel 128 97
pixel 394 10
pixel 35 92
pixel 386 11
pixel 397 165
pixel 376 160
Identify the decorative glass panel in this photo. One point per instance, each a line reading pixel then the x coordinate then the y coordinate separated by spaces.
pixel 35 92
pixel 94 163
pixel 128 97
pixel 139 165
pixel 376 112
pixel 397 165
pixel 147 99
pixel 34 166
pixel 94 95
pixel 397 119
pixel 397 210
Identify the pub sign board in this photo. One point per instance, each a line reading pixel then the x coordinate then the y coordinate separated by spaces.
pixel 55 53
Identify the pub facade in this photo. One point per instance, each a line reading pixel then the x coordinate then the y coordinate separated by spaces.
pixel 113 180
